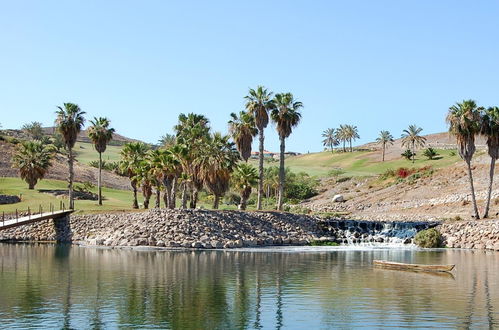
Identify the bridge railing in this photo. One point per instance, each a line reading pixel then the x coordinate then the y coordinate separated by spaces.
pixel 32 212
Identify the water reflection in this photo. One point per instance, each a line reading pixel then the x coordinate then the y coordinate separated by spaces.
pixel 71 287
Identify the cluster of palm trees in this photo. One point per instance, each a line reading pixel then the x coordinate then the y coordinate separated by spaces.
pixel 335 136
pixel 196 158
pixel 466 121
pixel 33 158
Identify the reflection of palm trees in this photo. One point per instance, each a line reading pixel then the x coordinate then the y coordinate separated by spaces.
pixel 471 305
pixel 67 302
pixel 279 318
pixel 96 318
pixel 258 301
pixel 488 303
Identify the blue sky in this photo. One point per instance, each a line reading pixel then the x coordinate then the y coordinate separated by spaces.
pixel 375 64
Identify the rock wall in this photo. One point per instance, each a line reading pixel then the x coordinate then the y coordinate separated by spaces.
pixel 175 228
pixel 474 234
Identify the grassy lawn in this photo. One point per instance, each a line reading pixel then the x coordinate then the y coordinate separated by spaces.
pixel 357 163
pixel 115 200
pixel 85 153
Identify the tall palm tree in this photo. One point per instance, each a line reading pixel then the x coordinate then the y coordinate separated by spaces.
pixel 384 138
pixel 330 139
pixel 342 135
pixel 32 159
pixel 258 103
pixel 69 123
pixel 490 129
pixel 242 129
pixel 192 133
pixel 411 138
pixel 245 177
pixel 352 134
pixel 100 134
pixel 286 115
pixel 216 164
pixel 464 123
pixel 132 156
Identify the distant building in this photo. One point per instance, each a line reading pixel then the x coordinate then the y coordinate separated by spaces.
pixel 266 154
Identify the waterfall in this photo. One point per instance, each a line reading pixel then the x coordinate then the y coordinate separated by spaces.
pixel 376 233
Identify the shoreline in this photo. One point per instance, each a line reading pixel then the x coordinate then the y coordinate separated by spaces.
pixel 207 229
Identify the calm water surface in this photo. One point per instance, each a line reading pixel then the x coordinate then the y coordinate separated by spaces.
pixel 57 286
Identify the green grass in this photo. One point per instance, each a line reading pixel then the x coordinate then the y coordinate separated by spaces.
pixel 114 199
pixel 85 153
pixel 358 163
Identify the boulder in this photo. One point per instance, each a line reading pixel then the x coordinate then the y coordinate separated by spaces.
pixel 338 198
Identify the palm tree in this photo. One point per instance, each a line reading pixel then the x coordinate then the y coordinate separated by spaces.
pixel 330 139
pixel 245 177
pixel 352 133
pixel 156 169
pixel 490 129
pixel 69 123
pixel 146 179
pixel 285 115
pixel 384 138
pixel 342 135
pixel 412 139
pixel 167 140
pixel 216 164
pixel 242 130
pixel 192 133
pixel 258 103
pixel 464 123
pixel 100 134
pixel 132 155
pixel 32 159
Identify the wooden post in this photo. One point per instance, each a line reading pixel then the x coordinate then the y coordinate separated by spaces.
pixel 29 213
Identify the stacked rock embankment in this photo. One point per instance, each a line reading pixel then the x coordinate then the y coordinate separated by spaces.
pixel 473 234
pixel 175 228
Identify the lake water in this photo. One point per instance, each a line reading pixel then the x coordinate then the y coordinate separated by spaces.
pixel 61 286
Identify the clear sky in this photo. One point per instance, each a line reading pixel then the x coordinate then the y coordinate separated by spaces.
pixel 375 64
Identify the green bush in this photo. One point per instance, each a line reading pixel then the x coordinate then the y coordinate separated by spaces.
pixel 343 179
pixel 335 172
pixel 430 153
pixel 429 238
pixel 323 243
pixel 408 154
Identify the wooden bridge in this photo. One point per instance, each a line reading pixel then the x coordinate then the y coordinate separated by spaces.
pixel 32 218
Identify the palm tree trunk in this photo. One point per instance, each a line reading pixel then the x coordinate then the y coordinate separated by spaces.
pixel 71 176
pixel 216 202
pixel 473 199
pixel 351 149
pixel 167 194
pixel 383 152
pixel 99 179
pixel 184 195
pixel 135 204
pixel 344 149
pixel 158 197
pixel 281 175
pixel 491 181
pixel 173 194
pixel 413 152
pixel 260 170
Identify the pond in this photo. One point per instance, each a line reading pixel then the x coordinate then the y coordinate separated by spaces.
pixel 63 286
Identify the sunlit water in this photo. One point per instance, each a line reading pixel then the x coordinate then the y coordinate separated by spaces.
pixel 48 286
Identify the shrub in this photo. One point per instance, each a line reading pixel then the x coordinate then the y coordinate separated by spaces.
pixel 389 173
pixel 343 179
pixel 335 172
pixel 408 154
pixel 430 153
pixel 232 198
pixel 403 172
pixel 429 238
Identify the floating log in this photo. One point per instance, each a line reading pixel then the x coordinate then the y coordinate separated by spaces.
pixel 413 267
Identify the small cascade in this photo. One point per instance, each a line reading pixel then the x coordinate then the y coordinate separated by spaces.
pixel 353 232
